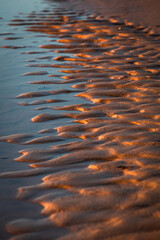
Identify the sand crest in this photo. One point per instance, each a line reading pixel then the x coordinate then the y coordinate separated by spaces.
pixel 99 167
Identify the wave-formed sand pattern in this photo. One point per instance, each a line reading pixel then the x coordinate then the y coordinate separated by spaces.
pixel 103 183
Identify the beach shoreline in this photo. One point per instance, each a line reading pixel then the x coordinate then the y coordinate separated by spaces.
pixel 81 123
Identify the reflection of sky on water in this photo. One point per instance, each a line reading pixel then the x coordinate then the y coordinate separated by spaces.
pixel 9 8
pixel 13 117
pixel 13 64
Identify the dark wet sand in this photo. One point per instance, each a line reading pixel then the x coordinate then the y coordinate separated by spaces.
pixel 143 12
pixel 98 169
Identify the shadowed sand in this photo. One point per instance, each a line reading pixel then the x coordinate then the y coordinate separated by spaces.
pixel 145 12
pixel 101 178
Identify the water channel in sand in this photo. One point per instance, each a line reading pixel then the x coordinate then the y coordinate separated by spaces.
pixel 80 103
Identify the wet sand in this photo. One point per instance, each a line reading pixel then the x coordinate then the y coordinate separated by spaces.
pixel 93 157
pixel 143 12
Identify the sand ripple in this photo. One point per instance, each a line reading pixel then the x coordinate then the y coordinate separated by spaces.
pixel 102 182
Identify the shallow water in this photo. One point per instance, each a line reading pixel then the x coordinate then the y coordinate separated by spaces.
pixel 81 105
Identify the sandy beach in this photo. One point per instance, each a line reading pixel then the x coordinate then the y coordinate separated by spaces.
pixel 81 120
pixel 143 12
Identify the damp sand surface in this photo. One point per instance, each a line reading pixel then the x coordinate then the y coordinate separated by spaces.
pixel 144 12
pixel 86 135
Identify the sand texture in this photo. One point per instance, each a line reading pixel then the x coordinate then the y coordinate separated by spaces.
pixel 144 12
pixel 98 167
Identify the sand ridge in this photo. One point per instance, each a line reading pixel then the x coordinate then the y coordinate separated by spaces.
pixel 102 182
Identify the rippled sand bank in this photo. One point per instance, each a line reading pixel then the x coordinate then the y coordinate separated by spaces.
pixel 100 169
pixel 144 12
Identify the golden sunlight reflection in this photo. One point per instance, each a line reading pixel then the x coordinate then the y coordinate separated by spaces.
pixel 98 156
